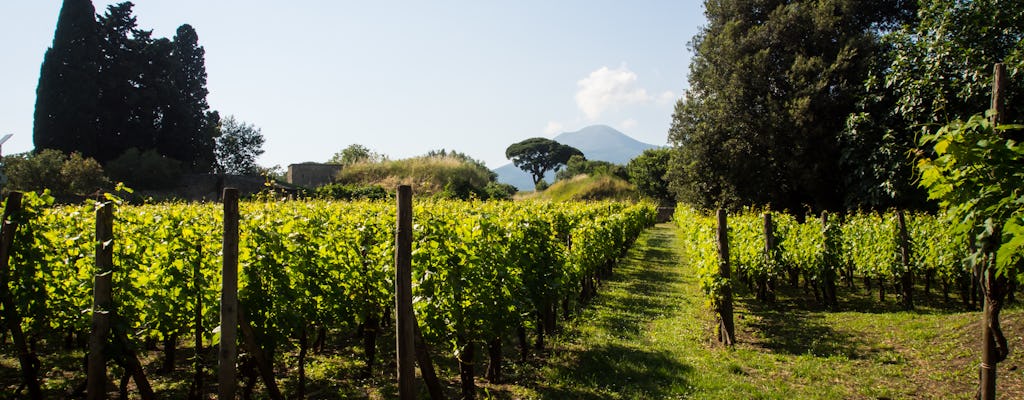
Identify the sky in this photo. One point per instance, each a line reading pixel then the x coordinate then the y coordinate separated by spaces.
pixel 402 78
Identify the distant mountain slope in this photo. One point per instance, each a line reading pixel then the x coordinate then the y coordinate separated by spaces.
pixel 597 142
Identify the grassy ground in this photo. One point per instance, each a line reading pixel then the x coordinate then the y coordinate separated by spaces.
pixel 649 335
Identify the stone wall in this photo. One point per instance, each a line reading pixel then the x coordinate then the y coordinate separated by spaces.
pixel 311 175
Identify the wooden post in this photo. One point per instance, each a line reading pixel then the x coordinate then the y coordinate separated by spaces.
pixel 998 94
pixel 28 360
pixel 404 332
pixel 766 286
pixel 228 354
pixel 907 278
pixel 96 384
pixel 197 284
pixel 727 330
pixel 991 306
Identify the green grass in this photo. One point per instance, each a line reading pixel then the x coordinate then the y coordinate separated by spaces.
pixel 649 335
pixel 587 187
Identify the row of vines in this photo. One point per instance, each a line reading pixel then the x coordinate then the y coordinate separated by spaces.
pixel 767 249
pixel 483 272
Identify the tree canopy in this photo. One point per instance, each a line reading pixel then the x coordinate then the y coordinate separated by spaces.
pixel 107 86
pixel 66 109
pixel 238 147
pixel 540 155
pixel 771 85
pixel 647 171
pixel 355 153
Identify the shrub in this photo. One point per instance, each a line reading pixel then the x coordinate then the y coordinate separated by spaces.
pixel 145 170
pixel 65 175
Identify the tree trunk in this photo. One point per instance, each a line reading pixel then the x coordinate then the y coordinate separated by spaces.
pixel 539 331
pixel 524 344
pixel 466 374
pixel 170 350
pixel 303 349
pixel 494 360
pixel 426 365
pixel 370 329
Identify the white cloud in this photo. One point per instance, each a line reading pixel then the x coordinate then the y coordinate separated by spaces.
pixel 629 124
pixel 608 89
pixel 553 127
pixel 667 97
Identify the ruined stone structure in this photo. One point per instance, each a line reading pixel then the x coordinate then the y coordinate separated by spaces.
pixel 311 174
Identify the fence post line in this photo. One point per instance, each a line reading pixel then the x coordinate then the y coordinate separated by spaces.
pixel 96 379
pixel 228 354
pixel 404 332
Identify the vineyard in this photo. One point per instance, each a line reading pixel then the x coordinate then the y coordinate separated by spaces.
pixel 484 274
pixel 890 253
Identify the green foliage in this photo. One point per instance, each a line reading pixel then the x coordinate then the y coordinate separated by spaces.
pixel 480 268
pixel 586 187
pixel 499 191
pixel 771 84
pixel 354 154
pixel 448 176
pixel 648 172
pixel 540 155
pixel 336 191
pixel 579 165
pixel 865 244
pixel 145 169
pixel 238 146
pixel 64 175
pixel 942 67
pixel 975 175
pixel 699 246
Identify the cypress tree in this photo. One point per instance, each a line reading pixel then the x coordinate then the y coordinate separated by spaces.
pixel 190 130
pixel 66 98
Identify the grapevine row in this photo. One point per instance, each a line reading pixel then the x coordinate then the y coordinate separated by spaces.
pixel 828 250
pixel 481 269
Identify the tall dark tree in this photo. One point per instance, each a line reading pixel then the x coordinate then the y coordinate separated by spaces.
pixel 771 85
pixel 190 134
pixel 146 93
pixel 119 77
pixel 66 98
pixel 540 155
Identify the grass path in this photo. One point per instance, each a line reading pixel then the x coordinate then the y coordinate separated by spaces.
pixel 648 336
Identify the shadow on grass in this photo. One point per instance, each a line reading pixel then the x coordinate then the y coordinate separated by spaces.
pixel 784 327
pixel 602 370
pixel 640 291
pixel 795 322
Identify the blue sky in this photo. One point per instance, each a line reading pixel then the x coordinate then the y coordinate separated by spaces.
pixel 403 78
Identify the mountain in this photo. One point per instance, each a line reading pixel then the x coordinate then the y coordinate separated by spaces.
pixel 597 142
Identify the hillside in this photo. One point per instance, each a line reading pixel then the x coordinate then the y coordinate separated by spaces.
pixel 597 142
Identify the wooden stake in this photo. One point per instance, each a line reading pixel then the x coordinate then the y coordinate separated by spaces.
pixel 96 386
pixel 990 314
pixel 727 329
pixel 228 354
pixel 404 332
pixel 29 361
